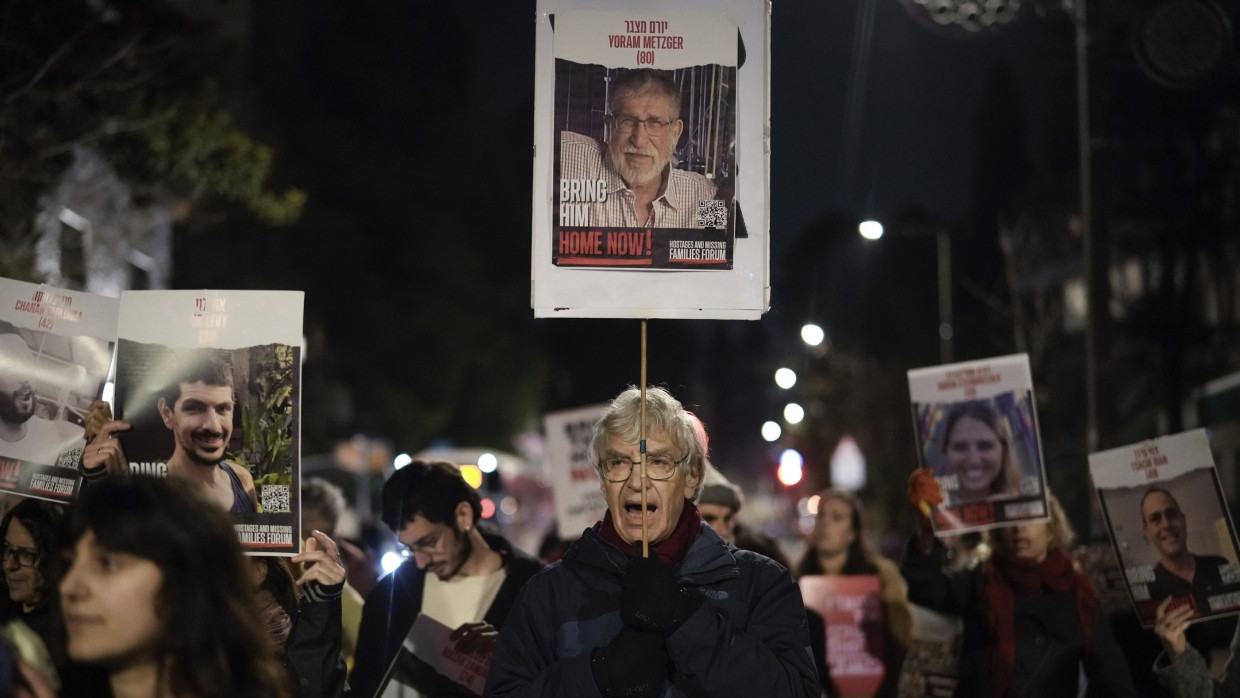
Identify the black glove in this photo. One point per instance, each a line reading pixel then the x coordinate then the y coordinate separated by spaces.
pixel 632 665
pixel 651 599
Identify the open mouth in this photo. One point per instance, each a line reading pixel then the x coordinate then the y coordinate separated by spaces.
pixel 636 508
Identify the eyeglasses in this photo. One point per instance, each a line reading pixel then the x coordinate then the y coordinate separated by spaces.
pixel 626 125
pixel 619 468
pixel 26 557
pixel 426 543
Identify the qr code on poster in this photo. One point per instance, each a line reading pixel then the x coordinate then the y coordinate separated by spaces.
pixel 712 213
pixel 275 499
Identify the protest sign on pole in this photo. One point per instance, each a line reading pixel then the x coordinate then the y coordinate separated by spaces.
pixel 569 466
pixel 976 428
pixel 1169 525
pixel 238 356
pixel 662 213
pixel 55 352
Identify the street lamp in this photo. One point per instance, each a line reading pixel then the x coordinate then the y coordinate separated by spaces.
pixel 785 378
pixel 812 334
pixel 944 245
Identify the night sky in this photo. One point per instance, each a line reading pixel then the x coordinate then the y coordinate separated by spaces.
pixel 411 126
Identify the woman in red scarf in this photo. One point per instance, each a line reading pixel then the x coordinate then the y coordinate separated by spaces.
pixel 1032 621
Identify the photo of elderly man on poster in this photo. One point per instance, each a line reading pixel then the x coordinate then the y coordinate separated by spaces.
pixel 643 170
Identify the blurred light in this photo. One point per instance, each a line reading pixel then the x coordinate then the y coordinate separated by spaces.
pixel 811 505
pixel 390 561
pixel 848 465
pixel 402 460
pixel 488 508
pixel 109 391
pixel 487 462
pixel 785 378
pixel 508 505
pixel 472 475
pixel 771 431
pixel 870 230
pixel 793 413
pixel 789 472
pixel 812 334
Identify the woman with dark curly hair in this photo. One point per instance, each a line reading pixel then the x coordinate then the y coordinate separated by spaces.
pixel 28 532
pixel 157 592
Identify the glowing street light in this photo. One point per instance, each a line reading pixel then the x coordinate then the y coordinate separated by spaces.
pixel 812 334
pixel 790 463
pixel 771 431
pixel 793 413
pixel 785 378
pixel 870 229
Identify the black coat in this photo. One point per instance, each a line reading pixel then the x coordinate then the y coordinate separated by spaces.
pixel 396 600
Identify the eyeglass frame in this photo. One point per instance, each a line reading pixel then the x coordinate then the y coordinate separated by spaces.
pixel 425 548
pixel 676 463
pixel 617 124
pixel 17 553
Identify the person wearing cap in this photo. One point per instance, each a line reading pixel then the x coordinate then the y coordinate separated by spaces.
pixel 24 434
pixel 696 617
pixel 719 504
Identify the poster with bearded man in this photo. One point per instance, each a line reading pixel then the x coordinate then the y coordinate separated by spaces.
pixel 645 115
pixel 209 382
pixel 55 351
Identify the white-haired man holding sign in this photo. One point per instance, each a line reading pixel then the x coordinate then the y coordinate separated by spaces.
pixel 696 617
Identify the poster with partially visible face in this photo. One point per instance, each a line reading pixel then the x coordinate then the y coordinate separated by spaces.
pixel 210 381
pixel 976 428
pixel 1168 521
pixel 569 465
pixel 651 165
pixel 55 352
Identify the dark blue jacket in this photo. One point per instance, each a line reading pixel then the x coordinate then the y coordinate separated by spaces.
pixel 748 639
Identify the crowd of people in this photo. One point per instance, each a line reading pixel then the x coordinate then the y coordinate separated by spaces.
pixel 141 587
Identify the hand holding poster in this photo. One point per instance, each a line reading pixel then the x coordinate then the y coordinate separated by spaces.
pixel 428 665
pixel 55 352
pixel 852 615
pixel 976 428
pixel 210 382
pixel 1169 524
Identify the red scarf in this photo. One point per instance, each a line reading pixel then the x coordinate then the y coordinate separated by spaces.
pixel 670 550
pixel 1006 576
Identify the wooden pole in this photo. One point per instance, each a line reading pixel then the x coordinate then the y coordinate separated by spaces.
pixel 642 448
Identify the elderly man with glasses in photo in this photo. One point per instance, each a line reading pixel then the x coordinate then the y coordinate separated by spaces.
pixel 632 178
pixel 697 617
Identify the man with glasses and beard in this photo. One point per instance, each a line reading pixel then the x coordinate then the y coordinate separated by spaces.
pixel 632 180
pixel 456 574
pixel 24 434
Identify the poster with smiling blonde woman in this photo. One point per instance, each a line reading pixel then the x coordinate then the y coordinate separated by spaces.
pixel 976 427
